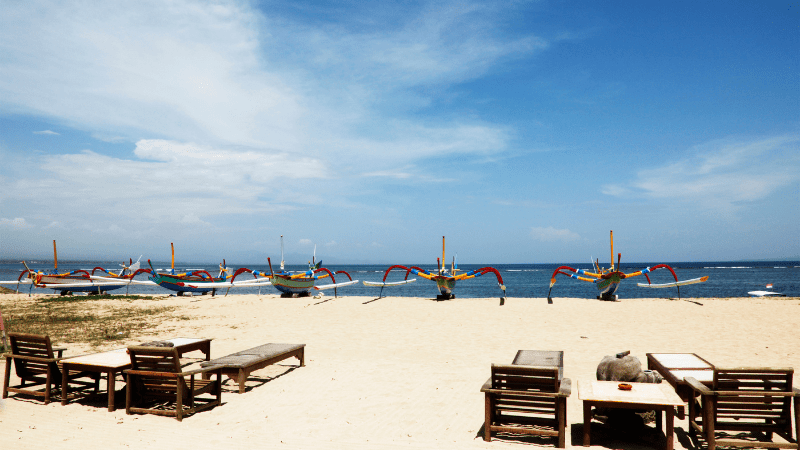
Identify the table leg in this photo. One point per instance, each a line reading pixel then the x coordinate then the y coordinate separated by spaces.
pixel 112 377
pixel 587 423
pixel 64 384
pixel 658 419
pixel 669 412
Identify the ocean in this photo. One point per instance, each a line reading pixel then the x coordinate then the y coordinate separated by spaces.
pixel 725 279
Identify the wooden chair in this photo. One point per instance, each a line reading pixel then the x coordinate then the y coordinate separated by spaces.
pixel 36 363
pixel 755 400
pixel 156 374
pixel 526 400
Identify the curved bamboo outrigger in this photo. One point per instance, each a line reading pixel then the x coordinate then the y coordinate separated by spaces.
pixel 608 280
pixel 445 280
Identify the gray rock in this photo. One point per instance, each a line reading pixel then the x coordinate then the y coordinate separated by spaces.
pixel 625 368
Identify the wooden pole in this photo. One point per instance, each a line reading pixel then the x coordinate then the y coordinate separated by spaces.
pixel 612 250
pixel 441 269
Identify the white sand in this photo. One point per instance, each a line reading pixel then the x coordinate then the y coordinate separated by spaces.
pixel 402 372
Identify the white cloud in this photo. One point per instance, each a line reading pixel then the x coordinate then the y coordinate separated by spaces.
pixel 551 234
pixel 305 242
pixel 16 223
pixel 172 183
pixel 182 69
pixel 234 110
pixel 721 174
pixel 53 133
pixel 192 219
pixel 228 74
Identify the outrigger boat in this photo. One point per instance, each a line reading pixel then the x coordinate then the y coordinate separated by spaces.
pixel 66 283
pixel 197 281
pixel 445 280
pixel 298 284
pixel 608 280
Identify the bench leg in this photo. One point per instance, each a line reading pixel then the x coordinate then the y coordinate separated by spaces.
pixel 242 378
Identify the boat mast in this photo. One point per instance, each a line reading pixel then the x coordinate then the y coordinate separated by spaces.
pixel 612 250
pixel 441 269
pixel 281 252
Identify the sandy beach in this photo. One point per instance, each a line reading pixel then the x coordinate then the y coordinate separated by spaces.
pixel 399 373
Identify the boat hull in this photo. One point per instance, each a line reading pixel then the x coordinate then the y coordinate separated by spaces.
pixel 293 286
pixel 179 284
pixel 52 282
pixel 608 286
pixel 445 285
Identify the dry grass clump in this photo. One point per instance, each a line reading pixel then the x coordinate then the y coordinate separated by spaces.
pixel 84 319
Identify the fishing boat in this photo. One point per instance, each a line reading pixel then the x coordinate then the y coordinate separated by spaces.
pixel 608 280
pixel 445 280
pixel 300 284
pixel 195 281
pixel 65 283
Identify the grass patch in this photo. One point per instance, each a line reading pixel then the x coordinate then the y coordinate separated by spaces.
pixel 83 319
pixel 86 298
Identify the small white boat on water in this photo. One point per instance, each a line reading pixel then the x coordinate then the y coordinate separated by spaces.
pixel 766 294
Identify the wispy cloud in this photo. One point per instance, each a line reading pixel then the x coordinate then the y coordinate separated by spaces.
pixel 50 132
pixel 551 234
pixel 170 182
pixel 16 223
pixel 721 175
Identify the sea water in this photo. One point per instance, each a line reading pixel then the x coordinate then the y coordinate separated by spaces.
pixel 725 279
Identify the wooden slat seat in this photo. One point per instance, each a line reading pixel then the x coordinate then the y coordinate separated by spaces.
pixel 756 400
pixel 36 365
pixel 239 365
pixel 526 400
pixel 156 377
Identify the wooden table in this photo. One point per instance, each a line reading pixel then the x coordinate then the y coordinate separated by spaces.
pixel 650 396
pixel 545 358
pixel 113 362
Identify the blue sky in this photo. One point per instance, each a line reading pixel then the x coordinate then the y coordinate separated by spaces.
pixel 523 132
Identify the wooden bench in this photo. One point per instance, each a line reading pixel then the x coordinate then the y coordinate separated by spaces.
pixel 239 365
